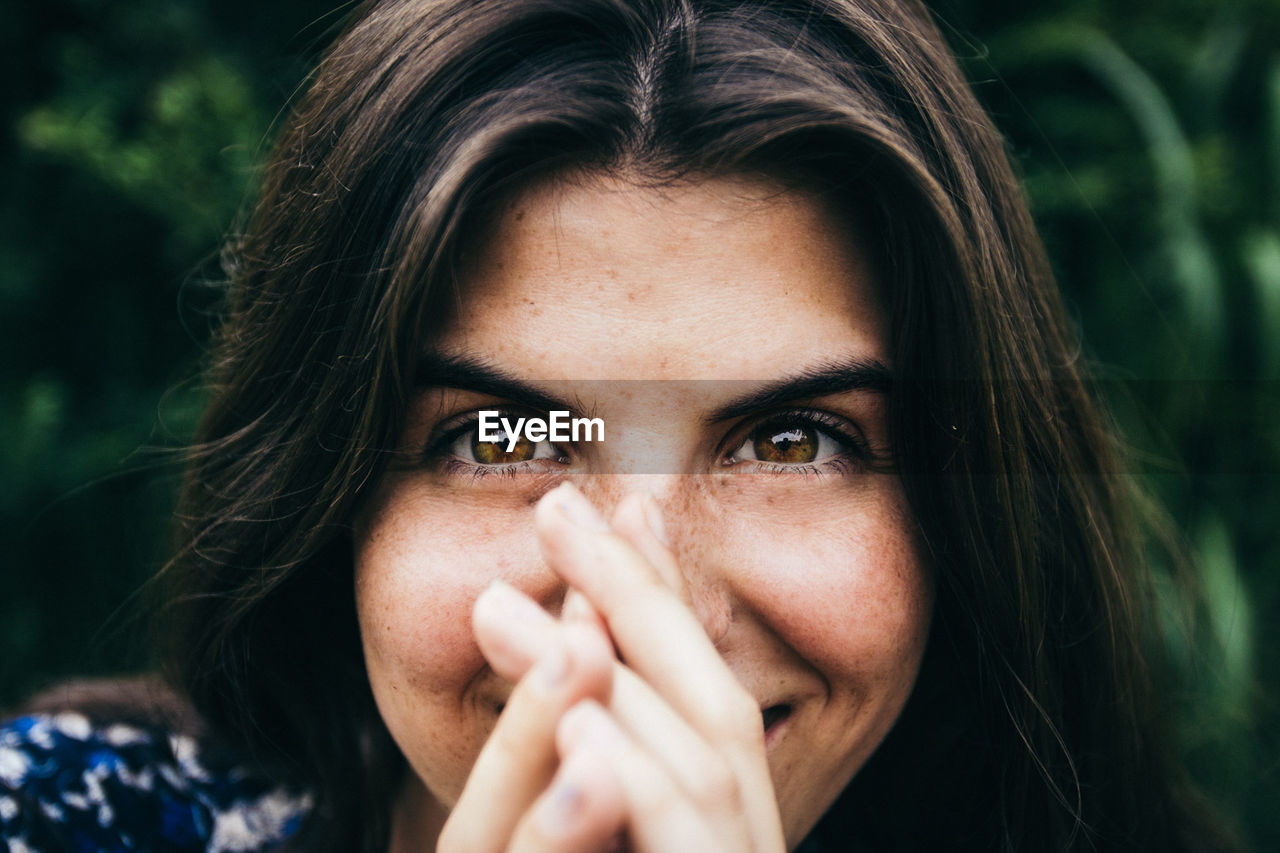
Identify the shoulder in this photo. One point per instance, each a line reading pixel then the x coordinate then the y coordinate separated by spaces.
pixel 67 783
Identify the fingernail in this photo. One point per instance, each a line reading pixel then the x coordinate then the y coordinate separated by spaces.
pixel 653 516
pixel 576 608
pixel 561 808
pixel 552 668
pixel 514 604
pixel 575 507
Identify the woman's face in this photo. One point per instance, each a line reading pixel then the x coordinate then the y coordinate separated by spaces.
pixel 760 430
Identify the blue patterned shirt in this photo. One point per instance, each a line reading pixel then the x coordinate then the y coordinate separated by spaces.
pixel 68 785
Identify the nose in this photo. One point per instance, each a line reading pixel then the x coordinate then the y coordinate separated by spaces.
pixel 673 525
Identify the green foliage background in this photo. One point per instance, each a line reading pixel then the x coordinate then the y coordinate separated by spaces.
pixel 1148 136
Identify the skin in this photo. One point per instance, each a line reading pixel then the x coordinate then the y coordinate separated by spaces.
pixel 641 622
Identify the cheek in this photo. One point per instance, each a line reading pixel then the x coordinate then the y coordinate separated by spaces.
pixel 421 561
pixel 840 581
pixel 422 557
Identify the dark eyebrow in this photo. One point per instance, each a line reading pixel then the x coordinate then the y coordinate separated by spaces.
pixel 468 373
pixel 818 381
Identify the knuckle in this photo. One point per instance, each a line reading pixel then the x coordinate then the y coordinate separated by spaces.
pixel 715 787
pixel 592 822
pixel 735 719
pixel 546 687
pixel 661 799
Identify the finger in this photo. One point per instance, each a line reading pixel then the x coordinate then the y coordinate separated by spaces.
pixel 638 520
pixel 661 639
pixel 645 715
pixel 661 815
pixel 696 764
pixel 512 630
pixel 658 635
pixel 657 729
pixel 583 811
pixel 519 758
pixel 578 609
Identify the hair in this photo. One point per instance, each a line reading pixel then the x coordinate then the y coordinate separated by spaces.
pixel 1033 725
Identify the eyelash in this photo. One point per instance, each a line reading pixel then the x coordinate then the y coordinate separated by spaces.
pixel 437 451
pixel 856 453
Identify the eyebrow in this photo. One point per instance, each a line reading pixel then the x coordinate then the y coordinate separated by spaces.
pixel 817 381
pixel 469 373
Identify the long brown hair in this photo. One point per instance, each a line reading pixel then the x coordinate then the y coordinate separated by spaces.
pixel 1032 727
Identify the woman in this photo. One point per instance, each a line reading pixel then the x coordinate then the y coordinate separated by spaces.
pixel 852 496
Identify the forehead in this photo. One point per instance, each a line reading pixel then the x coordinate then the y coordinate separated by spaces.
pixel 600 278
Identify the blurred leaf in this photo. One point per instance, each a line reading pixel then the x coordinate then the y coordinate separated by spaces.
pixel 1191 261
pixel 1230 618
pixel 1261 252
pixel 185 151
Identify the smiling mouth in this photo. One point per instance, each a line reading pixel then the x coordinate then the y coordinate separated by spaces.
pixel 773 717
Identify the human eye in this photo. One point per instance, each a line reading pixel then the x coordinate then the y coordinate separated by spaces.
pixel 456 447
pixel 803 441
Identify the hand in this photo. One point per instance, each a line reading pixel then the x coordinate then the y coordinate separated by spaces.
pixel 667 748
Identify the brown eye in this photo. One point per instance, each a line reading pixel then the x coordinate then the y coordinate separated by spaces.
pixel 495 452
pixel 786 445
pixel 805 441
